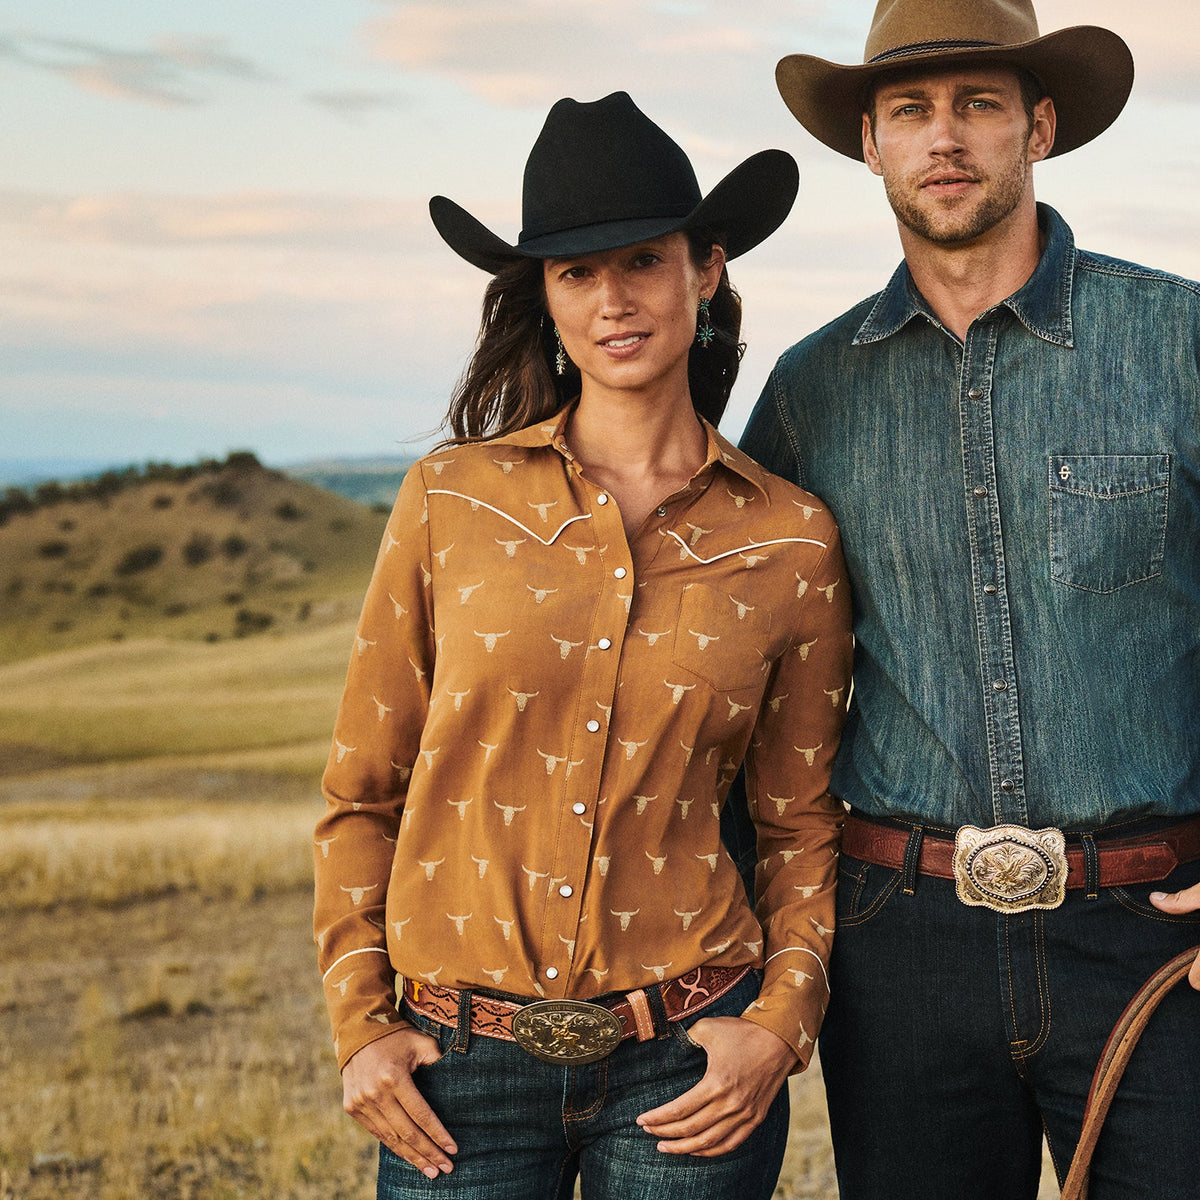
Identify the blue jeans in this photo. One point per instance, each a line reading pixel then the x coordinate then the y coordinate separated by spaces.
pixel 525 1128
pixel 955 1036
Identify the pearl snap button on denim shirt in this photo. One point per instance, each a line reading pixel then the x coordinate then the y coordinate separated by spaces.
pixel 1021 521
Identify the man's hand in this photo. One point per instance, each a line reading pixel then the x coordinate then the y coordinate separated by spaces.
pixel 1181 902
pixel 379 1093
pixel 747 1065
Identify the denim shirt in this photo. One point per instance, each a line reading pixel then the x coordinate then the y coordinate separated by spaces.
pixel 1021 520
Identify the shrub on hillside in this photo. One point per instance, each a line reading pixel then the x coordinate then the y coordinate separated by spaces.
pixel 246 622
pixel 140 558
pixel 198 549
pixel 224 493
pixel 54 549
pixel 243 460
pixel 289 511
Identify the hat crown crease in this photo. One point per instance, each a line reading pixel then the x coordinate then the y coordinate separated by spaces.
pixel 899 24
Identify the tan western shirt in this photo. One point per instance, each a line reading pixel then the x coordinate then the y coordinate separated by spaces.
pixel 542 719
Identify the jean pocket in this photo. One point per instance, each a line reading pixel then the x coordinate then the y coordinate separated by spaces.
pixel 1108 519
pixel 441 1034
pixel 1136 897
pixel 863 890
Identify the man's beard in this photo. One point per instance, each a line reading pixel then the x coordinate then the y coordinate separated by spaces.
pixel 949 225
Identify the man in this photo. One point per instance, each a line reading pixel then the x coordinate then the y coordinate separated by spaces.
pixel 1009 437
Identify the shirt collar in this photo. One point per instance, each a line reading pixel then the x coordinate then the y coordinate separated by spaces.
pixel 722 453
pixel 1042 304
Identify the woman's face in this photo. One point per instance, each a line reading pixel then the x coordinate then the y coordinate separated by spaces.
pixel 627 317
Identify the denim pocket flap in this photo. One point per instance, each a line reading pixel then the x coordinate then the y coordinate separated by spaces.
pixel 1108 518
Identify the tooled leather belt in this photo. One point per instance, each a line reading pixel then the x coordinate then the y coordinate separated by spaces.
pixel 1011 869
pixel 573 1032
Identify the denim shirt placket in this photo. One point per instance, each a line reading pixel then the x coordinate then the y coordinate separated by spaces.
pixel 998 671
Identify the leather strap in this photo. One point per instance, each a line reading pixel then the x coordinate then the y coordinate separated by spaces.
pixel 1111 1067
pixel 1121 861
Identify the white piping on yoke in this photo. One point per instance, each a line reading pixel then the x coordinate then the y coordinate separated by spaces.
pixel 751 546
pixel 501 513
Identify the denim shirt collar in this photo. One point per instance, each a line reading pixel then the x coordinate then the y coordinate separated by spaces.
pixel 1042 304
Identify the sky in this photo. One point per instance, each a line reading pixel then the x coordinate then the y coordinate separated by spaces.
pixel 213 222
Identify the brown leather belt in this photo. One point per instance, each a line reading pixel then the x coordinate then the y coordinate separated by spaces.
pixel 571 1031
pixel 1121 861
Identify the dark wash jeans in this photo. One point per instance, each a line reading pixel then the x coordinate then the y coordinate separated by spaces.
pixel 956 1035
pixel 525 1129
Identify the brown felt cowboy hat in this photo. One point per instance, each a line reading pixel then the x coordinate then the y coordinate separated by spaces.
pixel 602 175
pixel 1087 71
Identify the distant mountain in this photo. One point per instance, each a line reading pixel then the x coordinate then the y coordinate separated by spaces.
pixel 205 552
pixel 372 481
pixel 26 472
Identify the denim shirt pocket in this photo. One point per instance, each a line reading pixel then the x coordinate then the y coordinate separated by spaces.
pixel 1108 519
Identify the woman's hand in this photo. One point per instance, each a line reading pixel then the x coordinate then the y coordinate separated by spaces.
pixel 379 1093
pixel 747 1065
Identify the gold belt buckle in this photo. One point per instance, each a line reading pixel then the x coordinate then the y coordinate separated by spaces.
pixel 566 1032
pixel 1010 869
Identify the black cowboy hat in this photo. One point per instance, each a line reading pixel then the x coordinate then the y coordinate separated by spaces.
pixel 1086 70
pixel 603 175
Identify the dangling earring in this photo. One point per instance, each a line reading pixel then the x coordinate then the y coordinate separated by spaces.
pixel 560 358
pixel 704 328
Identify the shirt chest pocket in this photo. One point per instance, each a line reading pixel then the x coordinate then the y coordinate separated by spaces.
pixel 1108 518
pixel 721 638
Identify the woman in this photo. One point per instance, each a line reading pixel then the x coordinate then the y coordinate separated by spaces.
pixel 587 610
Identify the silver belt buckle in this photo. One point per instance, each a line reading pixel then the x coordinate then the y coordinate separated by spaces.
pixel 1010 869
pixel 566 1032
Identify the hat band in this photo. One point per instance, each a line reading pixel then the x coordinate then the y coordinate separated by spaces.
pixel 927 48
pixel 664 212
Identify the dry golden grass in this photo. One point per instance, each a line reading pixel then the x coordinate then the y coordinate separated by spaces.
pixel 162 1031
pixel 156 697
pixel 116 852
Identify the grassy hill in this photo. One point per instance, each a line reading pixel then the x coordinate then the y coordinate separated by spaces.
pixel 224 550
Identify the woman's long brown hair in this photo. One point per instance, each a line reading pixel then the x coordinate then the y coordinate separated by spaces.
pixel 511 381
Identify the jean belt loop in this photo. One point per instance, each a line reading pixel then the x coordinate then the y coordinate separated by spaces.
pixel 1091 867
pixel 462 1031
pixel 912 860
pixel 662 1027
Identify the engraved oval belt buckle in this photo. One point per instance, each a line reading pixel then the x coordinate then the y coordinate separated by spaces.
pixel 1010 869
pixel 566 1032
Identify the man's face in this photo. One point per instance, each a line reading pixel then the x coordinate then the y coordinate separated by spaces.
pixel 955 149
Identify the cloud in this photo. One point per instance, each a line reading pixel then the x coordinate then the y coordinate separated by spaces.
pixel 525 54
pixel 254 219
pixel 353 105
pixel 171 73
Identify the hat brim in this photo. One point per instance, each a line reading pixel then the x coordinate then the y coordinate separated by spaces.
pixel 745 208
pixel 1086 70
